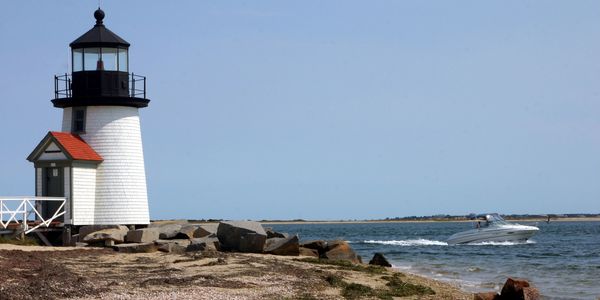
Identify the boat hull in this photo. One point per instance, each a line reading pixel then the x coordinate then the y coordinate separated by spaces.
pixel 519 233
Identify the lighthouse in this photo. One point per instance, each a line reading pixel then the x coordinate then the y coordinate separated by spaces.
pixel 96 160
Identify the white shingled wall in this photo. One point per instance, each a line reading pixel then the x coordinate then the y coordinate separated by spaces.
pixel 66 121
pixel 114 132
pixel 84 193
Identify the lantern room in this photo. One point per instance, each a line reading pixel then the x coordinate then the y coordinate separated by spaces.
pixel 100 72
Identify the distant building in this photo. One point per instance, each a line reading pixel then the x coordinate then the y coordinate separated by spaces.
pixel 96 161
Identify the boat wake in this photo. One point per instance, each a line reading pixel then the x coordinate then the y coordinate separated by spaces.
pixel 417 242
pixel 507 243
pixel 425 242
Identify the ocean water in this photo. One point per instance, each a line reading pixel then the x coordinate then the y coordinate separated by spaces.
pixel 562 260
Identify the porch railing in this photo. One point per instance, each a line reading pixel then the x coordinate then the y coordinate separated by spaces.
pixel 19 210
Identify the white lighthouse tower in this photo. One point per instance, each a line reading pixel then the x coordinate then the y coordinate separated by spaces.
pixel 97 160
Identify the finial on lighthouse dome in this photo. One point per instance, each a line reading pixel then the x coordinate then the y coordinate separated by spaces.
pixel 99 15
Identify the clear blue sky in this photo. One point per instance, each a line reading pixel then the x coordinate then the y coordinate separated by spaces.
pixel 333 109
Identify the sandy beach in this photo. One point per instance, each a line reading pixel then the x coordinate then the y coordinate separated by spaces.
pixel 34 272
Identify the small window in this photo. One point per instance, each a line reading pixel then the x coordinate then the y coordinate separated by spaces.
pixel 78 120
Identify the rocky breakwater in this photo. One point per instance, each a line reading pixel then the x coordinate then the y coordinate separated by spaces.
pixel 227 236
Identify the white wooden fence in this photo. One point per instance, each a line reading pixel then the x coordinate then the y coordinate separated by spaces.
pixel 19 210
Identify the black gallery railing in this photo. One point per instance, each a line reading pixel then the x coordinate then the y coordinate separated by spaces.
pixel 62 86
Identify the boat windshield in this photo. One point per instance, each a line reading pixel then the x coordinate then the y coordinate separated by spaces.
pixel 495 219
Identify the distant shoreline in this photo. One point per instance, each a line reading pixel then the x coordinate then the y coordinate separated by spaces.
pixel 591 219
pixel 441 220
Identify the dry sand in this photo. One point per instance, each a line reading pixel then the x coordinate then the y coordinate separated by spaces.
pixel 31 272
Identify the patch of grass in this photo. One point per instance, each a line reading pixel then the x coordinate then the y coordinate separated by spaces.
pixel 335 280
pixel 355 291
pixel 399 288
pixel 395 288
pixel 344 264
pixel 28 241
pixel 349 290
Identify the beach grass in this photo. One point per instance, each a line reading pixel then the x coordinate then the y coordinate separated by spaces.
pixel 395 286
pixel 28 241
pixel 344 264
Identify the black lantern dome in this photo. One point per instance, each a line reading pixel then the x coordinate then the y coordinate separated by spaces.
pixel 100 72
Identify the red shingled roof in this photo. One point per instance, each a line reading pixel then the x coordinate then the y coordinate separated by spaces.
pixel 76 147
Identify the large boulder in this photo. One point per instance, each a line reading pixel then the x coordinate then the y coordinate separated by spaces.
pixel 243 236
pixel 274 234
pixel 108 236
pixel 531 293
pixel 341 250
pixel 283 246
pixel 186 232
pixel 486 296
pixel 145 235
pixel 206 230
pixel 85 230
pixel 203 244
pixel 319 245
pixel 167 222
pixel 380 260
pixel 308 252
pixel 252 243
pixel 172 246
pixel 136 248
pixel 168 231
pixel 513 288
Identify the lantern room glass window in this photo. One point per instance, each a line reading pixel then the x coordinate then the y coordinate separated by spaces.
pixel 109 57
pixel 91 59
pixel 77 60
pixel 100 59
pixel 123 61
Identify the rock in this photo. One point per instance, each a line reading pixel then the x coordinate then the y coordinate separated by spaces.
pixel 206 230
pixel 168 231
pixel 145 235
pixel 169 222
pixel 531 293
pixel 340 250
pixel 203 244
pixel 244 236
pixel 283 246
pixel 513 288
pixel 172 246
pixel 308 252
pixel 136 248
pixel 78 244
pixel 252 243
pixel 107 235
pixel 274 234
pixel 486 296
pixel 186 232
pixel 85 230
pixel 379 260
pixel 319 245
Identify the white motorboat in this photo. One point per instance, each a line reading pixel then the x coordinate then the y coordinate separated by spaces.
pixel 493 228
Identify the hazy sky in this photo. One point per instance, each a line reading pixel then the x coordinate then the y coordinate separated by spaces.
pixel 332 109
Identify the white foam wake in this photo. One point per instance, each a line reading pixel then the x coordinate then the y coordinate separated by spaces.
pixel 417 242
pixel 506 243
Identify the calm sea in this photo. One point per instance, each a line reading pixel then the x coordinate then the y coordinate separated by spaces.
pixel 562 260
